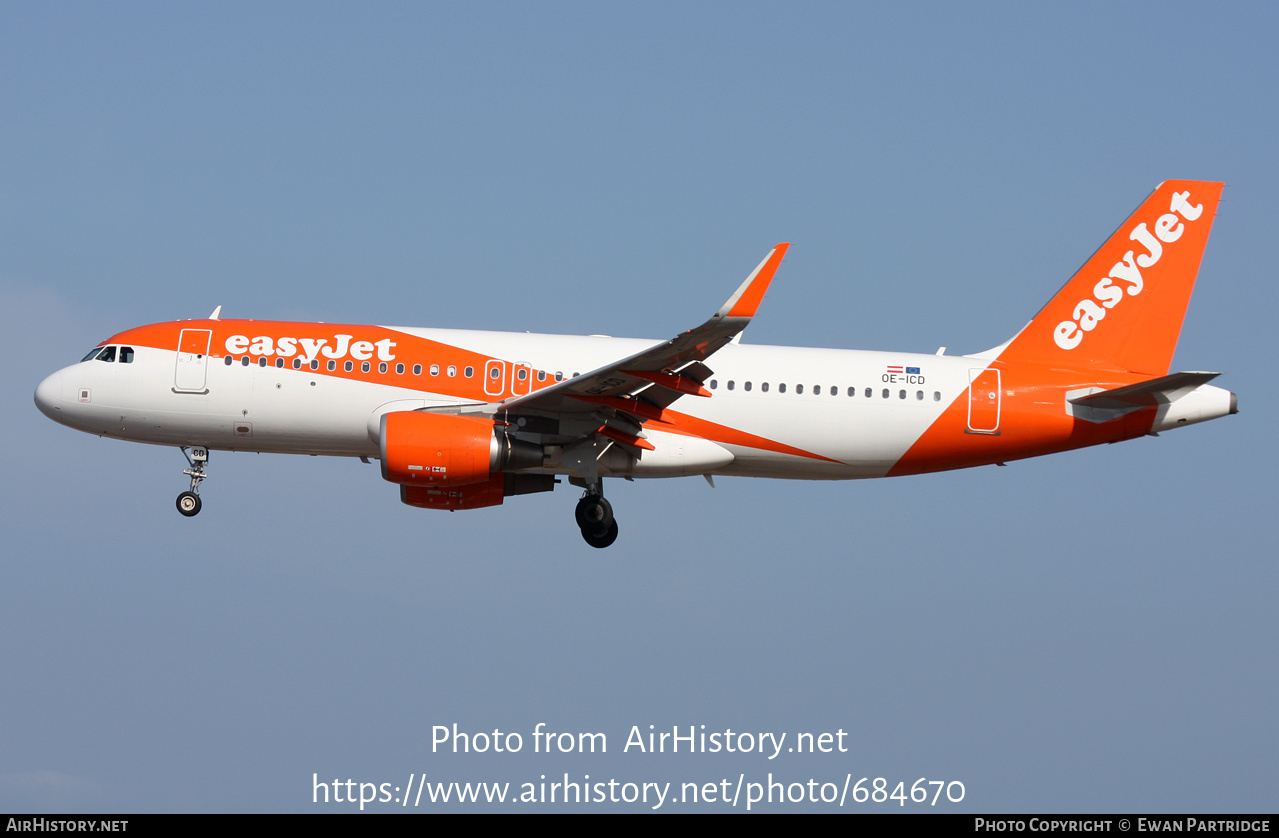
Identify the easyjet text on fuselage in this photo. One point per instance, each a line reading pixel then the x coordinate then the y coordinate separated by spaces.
pixel 311 348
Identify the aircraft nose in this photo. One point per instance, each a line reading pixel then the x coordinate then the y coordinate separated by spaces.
pixel 49 397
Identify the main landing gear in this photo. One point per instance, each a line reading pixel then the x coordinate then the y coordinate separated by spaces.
pixel 189 502
pixel 594 516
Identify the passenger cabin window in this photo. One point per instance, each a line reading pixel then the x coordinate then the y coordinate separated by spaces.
pixel 731 384
pixel 781 388
pixel 714 384
pixel 333 365
pixel 229 360
pixel 297 363
pixel 348 366
pixel 747 386
pixel 435 369
pixel 468 372
pixel 799 388
pixel 868 392
pixel 262 361
pixel 452 371
pixel 279 363
pixel 381 367
pixel 399 369
pixel 417 369
pixel 764 387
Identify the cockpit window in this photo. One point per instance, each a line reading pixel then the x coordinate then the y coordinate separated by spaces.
pixel 108 355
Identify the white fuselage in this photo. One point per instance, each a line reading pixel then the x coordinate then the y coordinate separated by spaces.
pixel 843 406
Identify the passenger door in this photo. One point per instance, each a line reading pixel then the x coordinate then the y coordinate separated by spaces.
pixel 189 375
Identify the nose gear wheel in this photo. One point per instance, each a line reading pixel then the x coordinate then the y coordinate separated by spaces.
pixel 189 504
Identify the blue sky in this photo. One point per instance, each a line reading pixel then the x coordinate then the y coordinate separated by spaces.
pixel 1087 632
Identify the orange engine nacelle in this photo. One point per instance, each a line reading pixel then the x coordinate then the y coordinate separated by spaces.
pixel 439 449
pixel 420 448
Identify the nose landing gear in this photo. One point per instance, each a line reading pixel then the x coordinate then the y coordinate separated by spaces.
pixel 189 502
pixel 594 515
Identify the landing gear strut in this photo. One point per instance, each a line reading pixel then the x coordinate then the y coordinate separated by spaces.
pixel 594 516
pixel 189 502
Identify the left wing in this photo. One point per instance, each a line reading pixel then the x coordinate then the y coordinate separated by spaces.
pixel 645 383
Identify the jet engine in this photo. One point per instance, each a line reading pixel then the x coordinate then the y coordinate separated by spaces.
pixel 446 461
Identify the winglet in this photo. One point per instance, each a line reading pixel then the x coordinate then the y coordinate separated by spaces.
pixel 745 301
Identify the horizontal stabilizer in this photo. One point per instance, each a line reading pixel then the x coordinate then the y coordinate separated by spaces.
pixel 1163 390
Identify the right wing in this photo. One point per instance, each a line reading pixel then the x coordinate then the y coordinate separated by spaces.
pixel 640 386
pixel 656 377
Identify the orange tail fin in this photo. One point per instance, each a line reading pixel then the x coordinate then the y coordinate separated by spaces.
pixel 1123 309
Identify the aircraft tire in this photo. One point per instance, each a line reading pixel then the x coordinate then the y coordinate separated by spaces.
pixel 603 540
pixel 189 504
pixel 594 514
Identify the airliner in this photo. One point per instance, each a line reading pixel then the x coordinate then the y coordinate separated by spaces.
pixel 464 419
